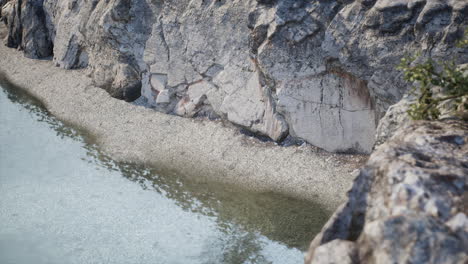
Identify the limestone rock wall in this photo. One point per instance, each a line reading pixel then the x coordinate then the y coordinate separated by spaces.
pixel 323 71
pixel 408 204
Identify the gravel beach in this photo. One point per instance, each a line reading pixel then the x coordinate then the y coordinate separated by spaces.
pixel 202 150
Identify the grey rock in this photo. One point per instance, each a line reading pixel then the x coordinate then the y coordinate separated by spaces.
pixel 106 37
pixel 410 239
pixel 6 9
pixel 408 203
pixel 27 28
pixel 163 97
pixel 395 117
pixel 321 71
pixel 336 252
pixel 36 41
pixel 458 223
pixel 12 18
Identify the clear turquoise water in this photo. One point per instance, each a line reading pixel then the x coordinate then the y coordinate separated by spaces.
pixel 62 201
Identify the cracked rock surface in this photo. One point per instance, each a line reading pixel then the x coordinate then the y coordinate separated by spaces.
pixel 322 71
pixel 408 204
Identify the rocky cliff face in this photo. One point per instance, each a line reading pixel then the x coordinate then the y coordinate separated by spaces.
pixel 408 205
pixel 323 71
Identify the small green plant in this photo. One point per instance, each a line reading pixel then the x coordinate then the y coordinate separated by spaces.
pixel 463 43
pixel 437 83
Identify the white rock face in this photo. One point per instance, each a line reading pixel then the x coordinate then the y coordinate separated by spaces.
pixel 163 97
pixel 203 50
pixel 340 106
pixel 323 71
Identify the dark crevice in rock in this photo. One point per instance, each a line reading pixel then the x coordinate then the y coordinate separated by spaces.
pixel 15 31
pixel 165 42
pixel 247 132
pixel 453 139
pixel 257 37
pixel 267 2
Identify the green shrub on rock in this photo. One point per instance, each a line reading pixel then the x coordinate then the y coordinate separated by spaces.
pixel 437 83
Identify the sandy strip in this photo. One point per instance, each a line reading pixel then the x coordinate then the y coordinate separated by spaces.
pixel 193 148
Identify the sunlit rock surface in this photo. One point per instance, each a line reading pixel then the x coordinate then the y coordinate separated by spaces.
pixel 323 71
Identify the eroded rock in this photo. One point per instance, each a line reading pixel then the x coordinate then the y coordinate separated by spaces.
pixel 322 71
pixel 408 204
pixel 27 28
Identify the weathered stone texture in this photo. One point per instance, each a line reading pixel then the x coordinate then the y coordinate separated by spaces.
pixel 27 27
pixel 323 71
pixel 408 205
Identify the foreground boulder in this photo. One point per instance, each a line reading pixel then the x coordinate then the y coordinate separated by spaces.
pixel 408 204
pixel 323 71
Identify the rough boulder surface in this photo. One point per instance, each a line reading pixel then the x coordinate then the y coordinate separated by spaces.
pixel 323 71
pixel 408 205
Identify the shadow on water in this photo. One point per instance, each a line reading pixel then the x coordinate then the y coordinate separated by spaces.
pixel 280 218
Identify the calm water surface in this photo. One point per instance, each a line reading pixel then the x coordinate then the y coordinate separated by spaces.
pixel 62 201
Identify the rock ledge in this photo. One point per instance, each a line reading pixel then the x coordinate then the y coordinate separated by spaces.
pixel 408 203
